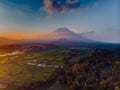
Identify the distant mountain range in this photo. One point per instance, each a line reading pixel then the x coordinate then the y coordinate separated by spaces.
pixel 64 33
pixel 60 36
pixel 26 48
pixel 65 36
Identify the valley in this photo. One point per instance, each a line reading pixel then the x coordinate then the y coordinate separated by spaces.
pixel 18 71
pixel 59 68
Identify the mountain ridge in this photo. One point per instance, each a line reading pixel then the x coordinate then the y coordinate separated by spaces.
pixel 65 33
pixel 59 36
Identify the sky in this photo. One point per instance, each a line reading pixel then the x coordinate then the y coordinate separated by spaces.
pixel 94 19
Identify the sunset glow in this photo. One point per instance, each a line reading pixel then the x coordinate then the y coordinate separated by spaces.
pixel 31 18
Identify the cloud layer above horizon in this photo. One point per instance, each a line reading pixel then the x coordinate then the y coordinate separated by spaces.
pixel 63 6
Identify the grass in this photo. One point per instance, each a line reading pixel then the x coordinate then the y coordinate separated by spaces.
pixel 14 71
pixel 18 74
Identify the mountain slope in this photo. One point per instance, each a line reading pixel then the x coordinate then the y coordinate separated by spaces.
pixel 61 36
pixel 65 35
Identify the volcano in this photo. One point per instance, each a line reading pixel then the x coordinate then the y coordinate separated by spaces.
pixel 64 34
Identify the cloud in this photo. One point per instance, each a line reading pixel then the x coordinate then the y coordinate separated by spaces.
pixel 86 33
pixel 62 6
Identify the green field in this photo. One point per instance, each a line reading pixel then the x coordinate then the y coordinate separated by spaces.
pixel 21 70
pixel 16 72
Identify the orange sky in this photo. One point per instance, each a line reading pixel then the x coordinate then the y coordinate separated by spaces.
pixel 41 35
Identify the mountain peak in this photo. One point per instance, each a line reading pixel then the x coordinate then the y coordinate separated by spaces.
pixel 62 30
pixel 64 34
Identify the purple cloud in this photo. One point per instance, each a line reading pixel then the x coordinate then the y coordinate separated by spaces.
pixel 60 6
